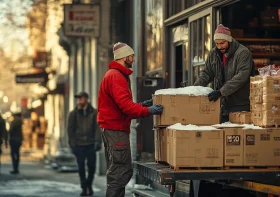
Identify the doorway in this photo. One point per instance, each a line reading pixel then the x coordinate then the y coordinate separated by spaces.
pixel 179 56
pixel 179 62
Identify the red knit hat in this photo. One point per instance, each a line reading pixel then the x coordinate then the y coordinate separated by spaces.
pixel 222 33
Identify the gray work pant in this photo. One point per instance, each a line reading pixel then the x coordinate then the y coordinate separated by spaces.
pixel 119 166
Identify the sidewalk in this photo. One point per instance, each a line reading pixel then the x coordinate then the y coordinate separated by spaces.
pixel 26 155
pixel 33 169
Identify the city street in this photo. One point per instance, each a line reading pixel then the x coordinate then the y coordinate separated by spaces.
pixel 37 180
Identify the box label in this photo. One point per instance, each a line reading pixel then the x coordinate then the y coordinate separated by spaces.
pixel 233 140
pixel 212 153
pixel 250 139
pixel 229 160
pixel 276 152
pixel 265 137
pixel 276 138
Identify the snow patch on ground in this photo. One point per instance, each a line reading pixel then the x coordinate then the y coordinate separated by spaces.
pixel 190 127
pixel 190 90
pixel 38 188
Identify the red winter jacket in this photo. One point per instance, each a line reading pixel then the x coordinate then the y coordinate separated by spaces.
pixel 115 105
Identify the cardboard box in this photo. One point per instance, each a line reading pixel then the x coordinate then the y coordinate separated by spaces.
pixel 256 92
pixel 240 117
pixel 160 144
pixel 184 109
pixel 256 107
pixel 265 118
pixel 195 148
pixel 262 147
pixel 275 106
pixel 271 98
pixel 234 146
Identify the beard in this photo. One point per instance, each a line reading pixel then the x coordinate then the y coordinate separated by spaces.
pixel 128 64
pixel 223 51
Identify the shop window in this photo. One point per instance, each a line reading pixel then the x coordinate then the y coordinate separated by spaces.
pixel 176 6
pixel 154 34
pixel 200 44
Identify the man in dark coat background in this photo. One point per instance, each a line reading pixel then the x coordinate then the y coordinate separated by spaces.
pixel 84 139
pixel 15 137
pixel 3 134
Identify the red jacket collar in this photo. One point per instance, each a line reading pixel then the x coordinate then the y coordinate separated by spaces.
pixel 116 65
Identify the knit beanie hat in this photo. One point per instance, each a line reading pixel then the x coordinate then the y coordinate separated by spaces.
pixel 121 50
pixel 222 33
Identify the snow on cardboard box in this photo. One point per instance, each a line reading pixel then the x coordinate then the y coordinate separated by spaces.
pixel 189 105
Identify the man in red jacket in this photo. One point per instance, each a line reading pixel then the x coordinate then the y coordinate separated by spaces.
pixel 116 109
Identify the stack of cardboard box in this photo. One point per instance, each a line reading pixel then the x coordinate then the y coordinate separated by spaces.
pixel 250 146
pixel 182 109
pixel 265 101
pixel 220 145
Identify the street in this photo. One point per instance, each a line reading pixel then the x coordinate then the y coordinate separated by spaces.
pixel 37 180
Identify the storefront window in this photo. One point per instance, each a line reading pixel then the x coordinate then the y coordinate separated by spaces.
pixel 176 6
pixel 200 45
pixel 154 34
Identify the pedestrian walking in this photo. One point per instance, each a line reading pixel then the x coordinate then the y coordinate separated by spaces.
pixel 3 136
pixel 15 140
pixel 84 140
pixel 116 109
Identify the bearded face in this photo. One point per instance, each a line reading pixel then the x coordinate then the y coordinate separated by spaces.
pixel 222 45
pixel 128 61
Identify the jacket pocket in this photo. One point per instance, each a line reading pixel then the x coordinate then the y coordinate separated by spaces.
pixel 121 154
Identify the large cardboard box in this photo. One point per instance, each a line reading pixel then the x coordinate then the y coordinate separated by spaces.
pixel 234 147
pixel 262 147
pixel 195 148
pixel 240 117
pixel 185 109
pixel 160 144
pixel 233 144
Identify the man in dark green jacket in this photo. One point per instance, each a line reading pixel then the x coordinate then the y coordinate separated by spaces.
pixel 84 139
pixel 229 67
pixel 15 137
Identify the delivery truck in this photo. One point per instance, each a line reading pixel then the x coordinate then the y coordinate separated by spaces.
pixel 246 176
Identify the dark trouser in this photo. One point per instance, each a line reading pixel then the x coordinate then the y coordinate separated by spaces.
pixel 224 118
pixel 15 146
pixel 82 154
pixel 118 156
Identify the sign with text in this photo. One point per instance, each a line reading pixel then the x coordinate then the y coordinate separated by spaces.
pixel 82 20
pixel 41 77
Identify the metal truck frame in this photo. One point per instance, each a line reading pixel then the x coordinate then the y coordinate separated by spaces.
pixel 261 182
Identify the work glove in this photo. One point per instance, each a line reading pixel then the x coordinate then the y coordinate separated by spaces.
pixel 155 110
pixel 147 103
pixel 214 96
pixel 97 146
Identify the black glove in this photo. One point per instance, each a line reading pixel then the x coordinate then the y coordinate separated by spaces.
pixel 155 110
pixel 147 103
pixel 214 96
pixel 97 146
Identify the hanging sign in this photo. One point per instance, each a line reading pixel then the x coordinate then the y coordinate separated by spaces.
pixel 82 20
